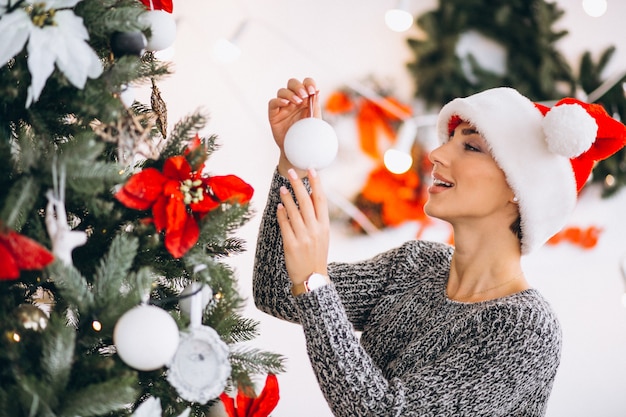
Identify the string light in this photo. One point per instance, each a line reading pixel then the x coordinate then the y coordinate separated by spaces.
pixel 398 159
pixel 96 325
pixel 595 8
pixel 399 19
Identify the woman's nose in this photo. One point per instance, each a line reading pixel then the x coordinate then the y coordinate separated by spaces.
pixel 437 155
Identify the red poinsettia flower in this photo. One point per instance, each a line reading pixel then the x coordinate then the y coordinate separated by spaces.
pixel 18 252
pixel 250 406
pixel 179 198
pixel 165 5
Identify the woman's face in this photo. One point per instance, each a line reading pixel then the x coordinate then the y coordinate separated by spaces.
pixel 467 182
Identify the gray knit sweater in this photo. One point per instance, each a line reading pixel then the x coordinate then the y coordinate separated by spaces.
pixel 420 353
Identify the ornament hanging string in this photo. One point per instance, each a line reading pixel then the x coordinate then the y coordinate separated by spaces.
pixel 312 99
pixel 167 300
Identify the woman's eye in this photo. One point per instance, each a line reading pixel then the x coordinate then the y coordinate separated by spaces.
pixel 469 147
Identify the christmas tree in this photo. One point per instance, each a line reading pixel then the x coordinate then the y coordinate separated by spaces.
pixel 115 297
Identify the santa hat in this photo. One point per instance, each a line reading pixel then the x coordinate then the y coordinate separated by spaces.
pixel 547 154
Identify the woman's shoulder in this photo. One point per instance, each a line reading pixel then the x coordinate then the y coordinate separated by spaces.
pixel 424 249
pixel 525 313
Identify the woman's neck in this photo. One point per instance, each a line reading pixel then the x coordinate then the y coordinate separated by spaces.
pixel 485 269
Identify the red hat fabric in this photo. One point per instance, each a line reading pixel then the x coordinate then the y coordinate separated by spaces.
pixel 610 138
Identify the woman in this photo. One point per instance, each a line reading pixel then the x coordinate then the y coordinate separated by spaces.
pixel 446 331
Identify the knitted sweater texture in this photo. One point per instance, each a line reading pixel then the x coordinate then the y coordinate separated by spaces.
pixel 419 353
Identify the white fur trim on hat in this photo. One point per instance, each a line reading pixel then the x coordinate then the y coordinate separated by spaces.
pixel 569 129
pixel 542 180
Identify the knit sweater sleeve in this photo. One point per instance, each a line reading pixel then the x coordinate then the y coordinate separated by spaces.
pixel 359 284
pixel 501 362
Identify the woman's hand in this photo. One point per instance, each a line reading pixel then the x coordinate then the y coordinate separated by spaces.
pixel 290 105
pixel 305 230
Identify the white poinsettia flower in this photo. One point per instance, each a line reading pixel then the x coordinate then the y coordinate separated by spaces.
pixel 55 35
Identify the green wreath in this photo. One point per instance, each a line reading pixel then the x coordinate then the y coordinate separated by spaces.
pixel 523 28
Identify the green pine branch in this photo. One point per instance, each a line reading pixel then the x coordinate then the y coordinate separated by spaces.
pixel 101 398
pixel 113 269
pixel 57 355
pixel 19 202
pixel 72 285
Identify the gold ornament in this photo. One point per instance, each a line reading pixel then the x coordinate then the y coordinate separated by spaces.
pixel 31 317
pixel 159 108
pixel 132 135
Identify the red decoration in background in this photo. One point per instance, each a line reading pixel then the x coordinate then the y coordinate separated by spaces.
pixel 18 252
pixel 180 197
pixel 372 118
pixel 387 199
pixel 165 5
pixel 251 406
pixel 585 238
pixel 401 196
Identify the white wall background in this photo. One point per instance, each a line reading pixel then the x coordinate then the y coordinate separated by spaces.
pixel 342 41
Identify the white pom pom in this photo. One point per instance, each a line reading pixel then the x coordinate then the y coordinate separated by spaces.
pixel 569 130
pixel 311 143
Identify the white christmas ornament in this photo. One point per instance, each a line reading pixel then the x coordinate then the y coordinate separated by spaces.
pixel 146 337
pixel 162 27
pixel 205 295
pixel 311 143
pixel 200 368
pixel 127 95
pixel 64 240
pixel 152 408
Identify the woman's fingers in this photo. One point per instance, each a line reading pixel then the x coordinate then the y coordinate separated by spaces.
pixel 305 202
pixel 318 197
pixel 311 210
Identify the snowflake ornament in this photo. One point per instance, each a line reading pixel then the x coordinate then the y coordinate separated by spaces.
pixel 55 35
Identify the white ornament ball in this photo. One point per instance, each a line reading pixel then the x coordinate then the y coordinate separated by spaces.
pixel 311 143
pixel 206 294
pixel 146 337
pixel 162 27
pixel 127 95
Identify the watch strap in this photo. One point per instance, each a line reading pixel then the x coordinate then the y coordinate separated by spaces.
pixel 304 287
pixel 298 289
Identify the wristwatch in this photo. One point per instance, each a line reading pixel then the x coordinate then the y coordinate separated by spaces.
pixel 313 282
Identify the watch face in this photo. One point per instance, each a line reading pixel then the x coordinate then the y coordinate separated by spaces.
pixel 316 281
